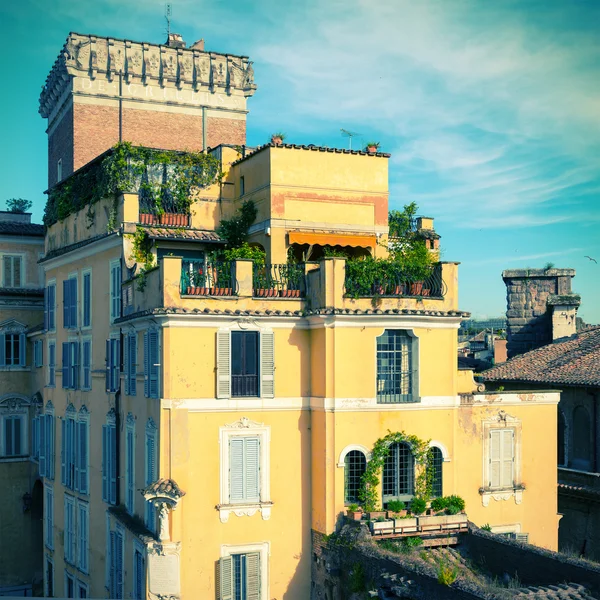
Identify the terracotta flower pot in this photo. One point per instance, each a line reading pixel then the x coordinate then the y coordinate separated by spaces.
pixel 295 293
pixel 372 149
pixel 355 515
pixel 416 289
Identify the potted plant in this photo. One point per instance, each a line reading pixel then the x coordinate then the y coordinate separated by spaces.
pixel 277 138
pixel 418 505
pixel 373 515
pixel 354 512
pixel 396 509
pixel 372 147
pixel 381 525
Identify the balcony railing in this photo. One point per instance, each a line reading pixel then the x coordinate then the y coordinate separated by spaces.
pixel 207 278
pixel 283 280
pixel 395 282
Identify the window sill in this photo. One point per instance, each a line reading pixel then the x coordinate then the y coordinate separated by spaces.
pixel 501 494
pixel 244 510
pixel 11 459
pixel 16 368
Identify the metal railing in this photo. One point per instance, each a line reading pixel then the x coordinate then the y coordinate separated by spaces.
pixel 397 283
pixel 282 280
pixel 207 278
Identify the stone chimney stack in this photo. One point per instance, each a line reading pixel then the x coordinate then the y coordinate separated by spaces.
pixel 540 307
pixel 14 217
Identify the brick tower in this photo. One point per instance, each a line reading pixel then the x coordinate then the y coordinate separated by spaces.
pixel 102 90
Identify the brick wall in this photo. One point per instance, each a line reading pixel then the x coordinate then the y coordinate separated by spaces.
pixel 225 131
pixel 60 146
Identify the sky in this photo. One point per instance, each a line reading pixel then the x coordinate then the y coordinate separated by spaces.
pixel 490 110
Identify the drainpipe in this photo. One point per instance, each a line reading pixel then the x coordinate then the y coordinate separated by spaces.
pixel 120 106
pixel 118 421
pixel 204 128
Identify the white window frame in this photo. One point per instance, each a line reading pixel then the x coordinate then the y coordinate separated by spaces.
pixel 49 517
pixel 22 258
pixel 82 383
pixel 51 372
pixel 130 473
pixel 115 295
pixel 81 584
pixel 245 428
pixel 501 421
pixel 52 283
pixel 83 553
pixel 264 550
pixel 139 547
pixel 342 459
pixel 85 272
pixel 21 414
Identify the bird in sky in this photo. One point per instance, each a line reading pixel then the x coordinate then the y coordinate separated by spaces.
pixel 593 259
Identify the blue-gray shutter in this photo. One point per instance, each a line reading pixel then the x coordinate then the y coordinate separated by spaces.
pixel 105 464
pixel 113 560
pixel 236 469
pixel 108 365
pixel 63 452
pixel 146 367
pixel 73 298
pixel 22 349
pixel 2 350
pixel 66 370
pixel 252 469
pixel 42 444
pixel 226 584
pixel 223 364
pixel 139 575
pixel 52 307
pixel 132 364
pixel 46 294
pixel 119 565
pixel 154 362
pixel 87 299
pixel 83 457
pixel 130 457
pixel 66 304
pixel 267 365
pixel 113 463
pixel 51 441
pixel 253 576
pixel 75 372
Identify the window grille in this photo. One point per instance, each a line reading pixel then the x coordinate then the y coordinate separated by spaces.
pixel 244 466
pixel 395 377
pixel 244 363
pixel 12 350
pixel 398 473
pixel 435 460
pixel 355 465
pixel 239 577
pixel 13 435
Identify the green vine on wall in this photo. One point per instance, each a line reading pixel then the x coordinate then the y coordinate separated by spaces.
pixel 369 494
pixel 161 177
pixel 235 230
pixel 142 254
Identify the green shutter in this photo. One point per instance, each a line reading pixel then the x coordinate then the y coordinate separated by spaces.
pixel 253 576
pixel 223 365
pixel 267 365
pixel 226 578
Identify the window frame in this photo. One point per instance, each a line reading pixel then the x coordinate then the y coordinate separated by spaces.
pixel 404 497
pixel 72 322
pixel 86 370
pixel 83 553
pixel 51 371
pixel 21 256
pixel 38 353
pixel 113 363
pixel 347 499
pixel 49 593
pixel 114 294
pixel 50 322
pixel 130 366
pixel 70 547
pixel 413 396
pixel 109 460
pixel 130 464
pixel 263 549
pixel 49 520
pixel 21 415
pixel 139 548
pixel 151 471
pixel 152 370
pixel 20 360
pixel 86 273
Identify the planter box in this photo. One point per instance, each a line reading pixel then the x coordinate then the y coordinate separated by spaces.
pixel 442 522
pixel 396 515
pixel 174 219
pixel 289 293
pixel 456 521
pixel 381 527
pixel 374 515
pixel 405 525
pixel 354 516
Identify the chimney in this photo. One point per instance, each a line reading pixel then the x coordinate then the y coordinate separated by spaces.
pixel 425 229
pixel 530 299
pixel 199 45
pixel 175 40
pixel 564 314
pixel 14 217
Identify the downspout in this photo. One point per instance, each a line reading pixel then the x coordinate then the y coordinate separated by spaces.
pixel 204 128
pixel 120 106
pixel 118 421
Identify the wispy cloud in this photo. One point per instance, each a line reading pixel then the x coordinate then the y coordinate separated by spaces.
pixel 506 261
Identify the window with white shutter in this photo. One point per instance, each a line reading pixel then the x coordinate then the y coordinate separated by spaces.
pixel 151 471
pixel 244 467
pixel 151 363
pixel 49 521
pixel 501 459
pixel 51 363
pixel 115 290
pixel 83 528
pixel 131 364
pixel 12 271
pixel 223 364
pixel 86 294
pixel 109 461
pixel 130 464
pixel 240 577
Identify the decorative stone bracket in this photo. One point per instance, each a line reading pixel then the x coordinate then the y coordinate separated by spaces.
pixel 487 494
pixel 165 494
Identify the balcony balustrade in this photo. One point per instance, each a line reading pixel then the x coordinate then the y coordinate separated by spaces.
pixel 280 280
pixel 206 277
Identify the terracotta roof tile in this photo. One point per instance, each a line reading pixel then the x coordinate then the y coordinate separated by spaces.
pixel 181 233
pixel 575 361
pixel 38 292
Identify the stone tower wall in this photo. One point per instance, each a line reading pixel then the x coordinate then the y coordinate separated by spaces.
pixel 529 318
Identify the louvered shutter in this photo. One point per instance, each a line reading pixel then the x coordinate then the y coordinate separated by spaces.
pixel 7 272
pixel 87 300
pixel 139 575
pixel 42 444
pixel 119 566
pixel 113 463
pixel 105 463
pixel 63 452
pixel 131 364
pixel 51 441
pixel 251 469
pixel 75 354
pixel 73 298
pixel 66 304
pixel 253 576
pixel 22 349
pixel 82 531
pixel 146 367
pixel 236 469
pixel 507 457
pixel 66 371
pixel 113 559
pixel 108 365
pixel 154 362
pixel 83 457
pixel 46 298
pixel 223 364
pixel 2 350
pixel 17 271
pixel 267 365
pixel 130 482
pixel 226 578
pixel 51 307
pixel 495 457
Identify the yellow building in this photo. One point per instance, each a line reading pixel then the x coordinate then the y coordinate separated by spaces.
pixel 211 417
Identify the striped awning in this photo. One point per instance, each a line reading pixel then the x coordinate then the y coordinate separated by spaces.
pixel 332 239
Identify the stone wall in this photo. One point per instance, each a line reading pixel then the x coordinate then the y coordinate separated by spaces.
pixel 529 320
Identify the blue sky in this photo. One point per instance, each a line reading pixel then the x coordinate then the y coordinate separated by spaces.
pixel 491 110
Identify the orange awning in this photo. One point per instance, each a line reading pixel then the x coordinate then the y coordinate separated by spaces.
pixel 331 239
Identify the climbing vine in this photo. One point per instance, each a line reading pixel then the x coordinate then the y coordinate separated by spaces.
pixel 162 178
pixel 369 494
pixel 142 254
pixel 235 230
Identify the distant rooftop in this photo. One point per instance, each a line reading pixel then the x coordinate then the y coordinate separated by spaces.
pixel 17 223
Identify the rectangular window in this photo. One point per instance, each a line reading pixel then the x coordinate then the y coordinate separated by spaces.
pixel 70 366
pixel 151 363
pixel 151 474
pixel 81 457
pixel 83 528
pixel 130 467
pixel 242 186
pixel 51 363
pixel 82 590
pixel 86 317
pixel 50 307
pixel 69 466
pixel 12 271
pixel 117 567
pixel 502 458
pixel 49 578
pixel 49 445
pixel 14 444
pixel 109 463
pixel 69 585
pixel 113 357
pixel 244 363
pixel 395 364
pixel 240 577
pixel 244 465
pixel 70 303
pixel 131 364
pixel 86 362
pixel 38 353
pixel 70 539
pixel 35 438
pixel 49 528
pixel 139 572
pixel 12 350
pixel 115 289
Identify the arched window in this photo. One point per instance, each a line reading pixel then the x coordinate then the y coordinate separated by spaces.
pixel 399 473
pixel 582 443
pixel 435 460
pixel 396 362
pixel 355 464
pixel 562 438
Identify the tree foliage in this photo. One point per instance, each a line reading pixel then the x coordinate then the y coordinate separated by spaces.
pixel 18 205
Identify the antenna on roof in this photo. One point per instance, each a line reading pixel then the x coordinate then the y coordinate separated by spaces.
pixel 349 135
pixel 168 13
